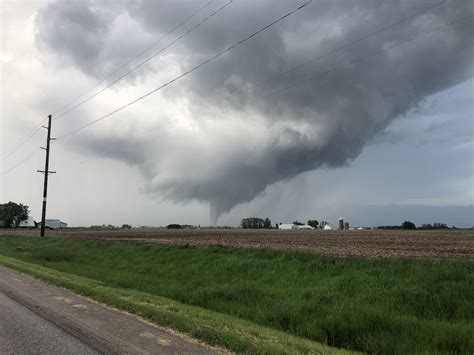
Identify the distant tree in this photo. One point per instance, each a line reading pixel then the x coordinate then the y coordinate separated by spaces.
pixel 408 225
pixel 297 223
pixel 313 223
pixel 252 223
pixel 12 214
pixel 126 226
pixel 173 226
pixel 390 227
pixel 267 224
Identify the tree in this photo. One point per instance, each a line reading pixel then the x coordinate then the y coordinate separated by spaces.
pixel 267 224
pixel 313 223
pixel 173 226
pixel 12 213
pixel 408 225
pixel 253 223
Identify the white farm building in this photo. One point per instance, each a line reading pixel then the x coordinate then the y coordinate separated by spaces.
pixel 27 223
pixel 54 224
pixel 288 226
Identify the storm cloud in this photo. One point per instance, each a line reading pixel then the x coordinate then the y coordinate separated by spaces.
pixel 224 137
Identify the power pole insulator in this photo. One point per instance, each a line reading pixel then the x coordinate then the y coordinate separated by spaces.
pixel 46 173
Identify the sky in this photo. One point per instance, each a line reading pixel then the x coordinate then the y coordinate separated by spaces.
pixel 361 110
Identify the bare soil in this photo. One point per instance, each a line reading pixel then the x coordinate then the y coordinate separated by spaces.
pixel 367 243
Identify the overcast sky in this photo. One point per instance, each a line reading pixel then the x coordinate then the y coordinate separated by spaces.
pixel 372 121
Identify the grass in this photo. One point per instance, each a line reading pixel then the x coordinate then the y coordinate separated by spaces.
pixel 376 306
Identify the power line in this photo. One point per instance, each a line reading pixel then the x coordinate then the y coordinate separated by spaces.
pixel 145 61
pixel 333 51
pixel 207 61
pixel 21 142
pixel 362 58
pixel 24 160
pixel 33 132
pixel 136 56
pixel 349 44
pixel 354 61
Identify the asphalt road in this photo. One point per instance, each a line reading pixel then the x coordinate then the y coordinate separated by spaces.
pixel 39 318
pixel 25 332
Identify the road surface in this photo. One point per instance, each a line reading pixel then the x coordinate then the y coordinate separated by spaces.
pixel 38 318
pixel 25 332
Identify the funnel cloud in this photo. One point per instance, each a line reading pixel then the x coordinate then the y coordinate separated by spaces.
pixel 218 138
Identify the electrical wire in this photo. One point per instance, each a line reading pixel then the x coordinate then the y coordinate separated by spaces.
pixel 135 57
pixel 144 62
pixel 24 160
pixel 22 141
pixel 362 58
pixel 333 51
pixel 207 61
pixel 33 132
pixel 350 63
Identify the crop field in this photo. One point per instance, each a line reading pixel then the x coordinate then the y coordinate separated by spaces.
pixel 453 244
pixel 258 300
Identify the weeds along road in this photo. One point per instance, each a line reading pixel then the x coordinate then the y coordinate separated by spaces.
pixel 451 244
pixel 38 318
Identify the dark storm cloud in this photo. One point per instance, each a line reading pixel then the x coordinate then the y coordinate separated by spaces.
pixel 73 30
pixel 88 35
pixel 321 122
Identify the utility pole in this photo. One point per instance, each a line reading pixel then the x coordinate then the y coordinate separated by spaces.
pixel 46 173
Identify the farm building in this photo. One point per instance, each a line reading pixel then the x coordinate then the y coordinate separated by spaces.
pixel 304 226
pixel 327 227
pixel 54 224
pixel 27 223
pixel 288 226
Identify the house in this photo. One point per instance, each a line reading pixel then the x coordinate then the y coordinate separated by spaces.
pixel 327 227
pixel 54 224
pixel 27 223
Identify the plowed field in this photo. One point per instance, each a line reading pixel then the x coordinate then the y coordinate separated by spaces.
pixel 368 243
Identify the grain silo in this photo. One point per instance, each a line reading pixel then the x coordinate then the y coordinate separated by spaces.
pixel 341 223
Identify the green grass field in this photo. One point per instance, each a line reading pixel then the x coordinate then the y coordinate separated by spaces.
pixel 376 306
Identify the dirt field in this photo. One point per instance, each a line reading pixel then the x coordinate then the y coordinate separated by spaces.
pixel 370 243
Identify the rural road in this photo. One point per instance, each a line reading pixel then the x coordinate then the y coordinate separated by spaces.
pixel 37 318
pixel 24 332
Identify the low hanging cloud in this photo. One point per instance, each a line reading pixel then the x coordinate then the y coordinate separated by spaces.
pixel 223 140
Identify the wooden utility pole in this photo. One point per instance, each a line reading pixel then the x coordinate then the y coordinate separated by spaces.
pixel 46 173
